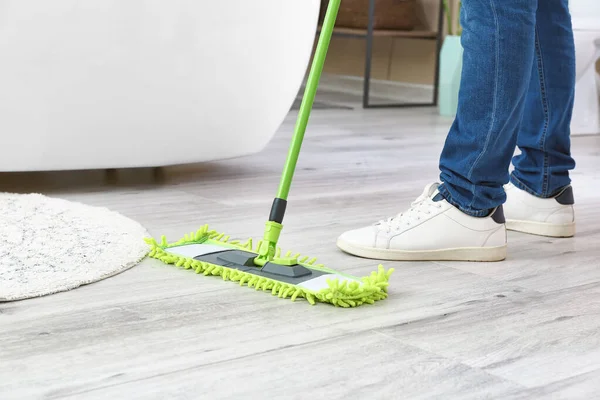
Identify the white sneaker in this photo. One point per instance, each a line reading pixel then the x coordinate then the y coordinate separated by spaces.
pixel 554 217
pixel 431 230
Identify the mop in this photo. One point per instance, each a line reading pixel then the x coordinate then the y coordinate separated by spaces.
pixel 264 266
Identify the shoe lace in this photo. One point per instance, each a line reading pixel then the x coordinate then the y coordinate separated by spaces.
pixel 422 207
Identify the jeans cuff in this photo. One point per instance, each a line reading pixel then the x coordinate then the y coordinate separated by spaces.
pixel 469 211
pixel 520 185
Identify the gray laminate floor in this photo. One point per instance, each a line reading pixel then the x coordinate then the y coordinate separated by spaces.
pixel 525 328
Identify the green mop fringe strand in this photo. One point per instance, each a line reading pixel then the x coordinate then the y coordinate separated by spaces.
pixel 346 293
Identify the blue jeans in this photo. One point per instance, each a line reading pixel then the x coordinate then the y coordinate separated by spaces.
pixel 517 89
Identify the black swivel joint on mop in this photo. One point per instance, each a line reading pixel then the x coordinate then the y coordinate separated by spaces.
pixel 278 210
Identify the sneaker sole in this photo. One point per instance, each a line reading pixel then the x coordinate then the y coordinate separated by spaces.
pixel 477 254
pixel 541 229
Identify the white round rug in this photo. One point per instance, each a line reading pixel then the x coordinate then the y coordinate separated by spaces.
pixel 50 245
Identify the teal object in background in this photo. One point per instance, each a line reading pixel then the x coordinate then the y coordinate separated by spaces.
pixel 450 75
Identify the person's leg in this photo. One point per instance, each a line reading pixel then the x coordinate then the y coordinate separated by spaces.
pixel 461 219
pixel 499 46
pixel 542 168
pixel 539 198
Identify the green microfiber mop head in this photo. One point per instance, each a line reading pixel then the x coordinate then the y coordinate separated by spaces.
pixel 263 267
pixel 197 249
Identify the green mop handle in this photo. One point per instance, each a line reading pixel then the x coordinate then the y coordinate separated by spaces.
pixel 273 226
pixel 308 99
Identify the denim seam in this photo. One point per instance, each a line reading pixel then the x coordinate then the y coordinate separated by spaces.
pixel 494 102
pixel 469 211
pixel 546 108
pixel 545 175
pixel 520 185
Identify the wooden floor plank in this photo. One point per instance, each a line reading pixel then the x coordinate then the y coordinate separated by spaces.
pixel 527 327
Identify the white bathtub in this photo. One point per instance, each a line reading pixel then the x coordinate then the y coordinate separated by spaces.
pixel 115 83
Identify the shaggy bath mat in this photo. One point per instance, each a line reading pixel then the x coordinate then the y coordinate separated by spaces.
pixel 50 245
